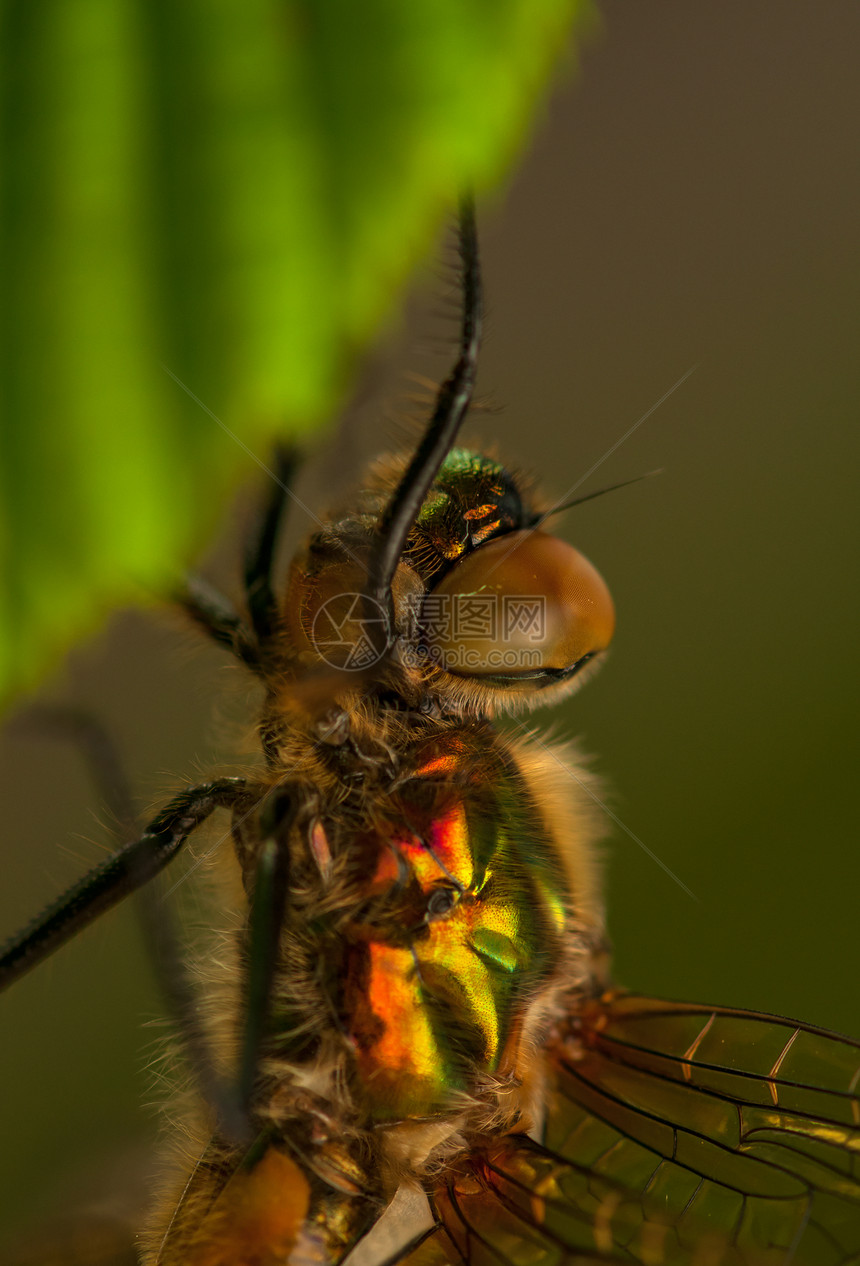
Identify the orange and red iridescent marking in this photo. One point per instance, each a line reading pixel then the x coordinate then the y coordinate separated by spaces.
pixel 435 1003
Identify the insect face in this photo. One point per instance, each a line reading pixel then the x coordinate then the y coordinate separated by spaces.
pixel 490 612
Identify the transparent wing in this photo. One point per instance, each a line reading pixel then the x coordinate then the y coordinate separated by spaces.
pixel 676 1135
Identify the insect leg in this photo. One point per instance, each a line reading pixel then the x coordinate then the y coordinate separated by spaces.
pixel 261 545
pixel 124 872
pixel 217 616
pixel 452 401
pixel 268 905
pixel 99 749
pixel 159 929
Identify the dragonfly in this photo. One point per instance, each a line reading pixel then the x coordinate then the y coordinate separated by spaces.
pixel 416 1054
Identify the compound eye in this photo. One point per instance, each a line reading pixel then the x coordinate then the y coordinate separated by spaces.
pixel 524 606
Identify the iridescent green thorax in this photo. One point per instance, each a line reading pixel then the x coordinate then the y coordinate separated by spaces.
pixel 472 500
pixel 463 924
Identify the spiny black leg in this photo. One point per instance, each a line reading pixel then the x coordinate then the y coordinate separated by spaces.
pixel 159 929
pixel 116 877
pixel 217 616
pixel 261 546
pixel 452 402
pixel 268 906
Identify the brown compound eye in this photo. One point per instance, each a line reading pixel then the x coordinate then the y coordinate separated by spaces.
pixel 524 607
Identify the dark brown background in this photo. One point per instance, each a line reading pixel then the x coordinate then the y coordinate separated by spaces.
pixel 692 198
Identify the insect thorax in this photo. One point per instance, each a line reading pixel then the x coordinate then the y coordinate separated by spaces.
pixel 431 927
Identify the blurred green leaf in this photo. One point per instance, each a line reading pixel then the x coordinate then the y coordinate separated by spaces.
pixel 233 191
